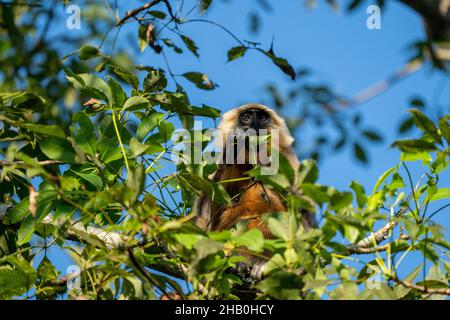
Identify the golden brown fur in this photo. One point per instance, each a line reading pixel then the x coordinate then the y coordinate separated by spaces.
pixel 252 199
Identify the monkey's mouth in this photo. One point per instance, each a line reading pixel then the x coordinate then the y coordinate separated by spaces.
pixel 248 146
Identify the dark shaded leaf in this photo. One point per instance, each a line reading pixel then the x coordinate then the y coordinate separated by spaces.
pixel 190 44
pixel 426 125
pixel 361 197
pixel 125 75
pixel 412 146
pixel 406 125
pixel 236 52
pixel 204 5
pixel 58 149
pixel 88 52
pixel 372 135
pixel 281 63
pixel 359 152
pixel 200 80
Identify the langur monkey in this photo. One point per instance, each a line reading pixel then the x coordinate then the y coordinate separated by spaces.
pixel 251 198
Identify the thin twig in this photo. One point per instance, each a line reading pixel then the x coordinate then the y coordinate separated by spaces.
pixel 136 11
pixel 4 163
pixel 423 289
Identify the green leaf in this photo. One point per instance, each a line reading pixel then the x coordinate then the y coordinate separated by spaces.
pixel 426 125
pixel 83 132
pixel 26 231
pixel 148 124
pixel 276 262
pixel 372 135
pixel 142 37
pixel 236 52
pixel 200 80
pixel 90 86
pixel 445 128
pixel 155 81
pixel 382 178
pixel 170 44
pixel 282 285
pixel 204 5
pixel 125 76
pixel 220 195
pixel 359 152
pixel 206 111
pixel 424 156
pixel 137 148
pixel 18 212
pixel 88 52
pixel 165 130
pixel 58 149
pixel 354 4
pixel 417 102
pixel 157 14
pixel 16 280
pixel 281 63
pixel 190 44
pixel 442 193
pixel 135 103
pixel 406 125
pixel 340 200
pixel 25 100
pixel 414 146
pixel 397 182
pixel 206 247
pixel 309 172
pixel 188 240
pixel 278 226
pixel 118 95
pixel 361 197
pixel 49 130
pixel 252 239
pixel 91 178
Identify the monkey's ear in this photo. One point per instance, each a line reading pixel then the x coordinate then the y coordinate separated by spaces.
pixel 227 124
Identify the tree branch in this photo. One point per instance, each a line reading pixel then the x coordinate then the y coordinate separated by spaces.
pixel 77 231
pixel 436 15
pixel 383 85
pixel 4 163
pixel 363 250
pixel 423 289
pixel 136 11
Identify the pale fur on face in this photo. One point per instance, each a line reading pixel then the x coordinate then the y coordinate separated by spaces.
pixel 230 119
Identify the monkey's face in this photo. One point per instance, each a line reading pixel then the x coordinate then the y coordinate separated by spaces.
pixel 255 119
pixel 249 140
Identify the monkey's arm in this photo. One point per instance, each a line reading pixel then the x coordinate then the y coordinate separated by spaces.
pixel 231 216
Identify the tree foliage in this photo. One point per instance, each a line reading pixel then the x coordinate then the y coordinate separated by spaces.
pixel 100 184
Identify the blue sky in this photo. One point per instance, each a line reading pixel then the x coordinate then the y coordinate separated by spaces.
pixel 336 46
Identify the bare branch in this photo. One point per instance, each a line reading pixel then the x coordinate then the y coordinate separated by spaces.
pixel 383 85
pixel 375 237
pixel 136 11
pixel 77 231
pixel 363 250
pixel 4 163
pixel 423 289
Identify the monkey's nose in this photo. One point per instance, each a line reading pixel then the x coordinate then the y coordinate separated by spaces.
pixel 255 123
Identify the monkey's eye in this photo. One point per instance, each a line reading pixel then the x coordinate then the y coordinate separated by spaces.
pixel 245 117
